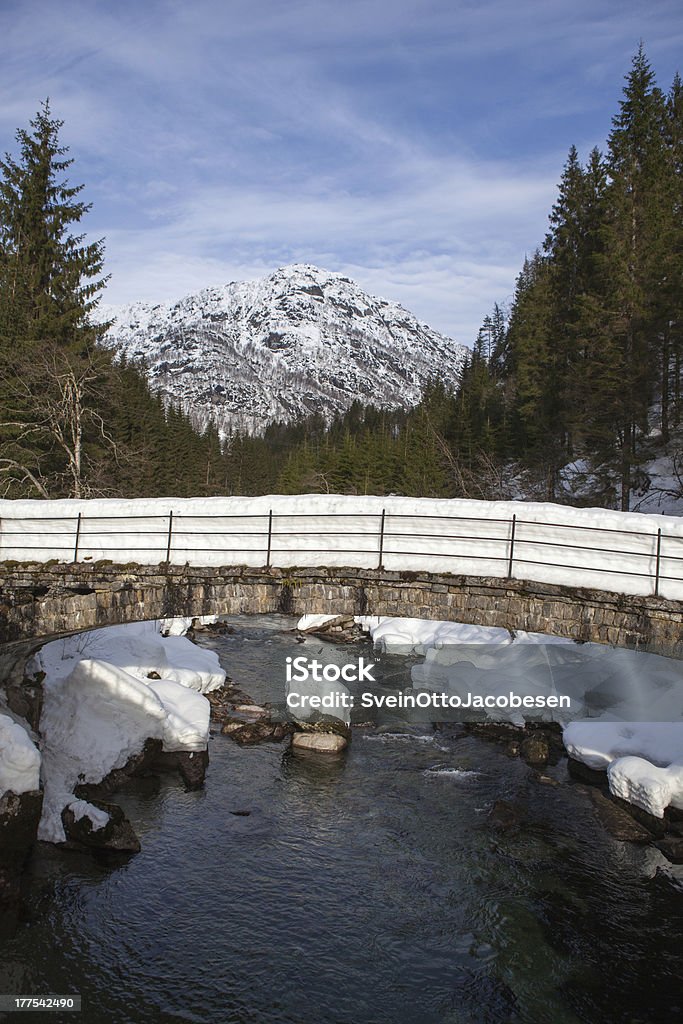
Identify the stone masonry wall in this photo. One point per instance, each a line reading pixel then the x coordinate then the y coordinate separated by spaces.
pixel 46 600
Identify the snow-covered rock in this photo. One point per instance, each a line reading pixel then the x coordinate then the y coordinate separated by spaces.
pixel 643 758
pixel 19 759
pixel 101 706
pixel 298 341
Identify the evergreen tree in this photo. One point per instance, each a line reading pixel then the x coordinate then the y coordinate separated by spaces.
pixel 50 278
pixel 49 283
pixel 636 241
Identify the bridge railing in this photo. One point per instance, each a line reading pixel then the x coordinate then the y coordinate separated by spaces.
pixel 624 560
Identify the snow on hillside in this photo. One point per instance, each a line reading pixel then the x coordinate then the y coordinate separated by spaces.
pixel 298 341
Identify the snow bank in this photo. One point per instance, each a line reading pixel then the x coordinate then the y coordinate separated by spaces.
pixel 552 543
pixel 417 635
pixel 617 688
pixel 644 760
pixel 92 722
pixel 139 649
pixel 186 721
pixel 19 759
pixel 314 621
pixel 101 706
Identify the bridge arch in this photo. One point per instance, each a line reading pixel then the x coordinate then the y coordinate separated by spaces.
pixel 43 600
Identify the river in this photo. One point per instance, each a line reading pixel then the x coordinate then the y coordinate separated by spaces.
pixel 374 888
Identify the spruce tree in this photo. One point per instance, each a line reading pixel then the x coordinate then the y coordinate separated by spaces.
pixel 635 249
pixel 49 284
pixel 50 277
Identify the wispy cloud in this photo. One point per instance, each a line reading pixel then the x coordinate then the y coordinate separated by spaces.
pixel 415 146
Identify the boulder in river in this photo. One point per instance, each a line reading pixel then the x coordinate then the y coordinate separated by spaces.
pixel 324 733
pixel 190 764
pixel 322 742
pixel 535 749
pixel 19 817
pixel 250 733
pixel 116 834
pixel 505 815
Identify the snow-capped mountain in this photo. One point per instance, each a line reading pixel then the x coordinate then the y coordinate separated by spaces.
pixel 298 341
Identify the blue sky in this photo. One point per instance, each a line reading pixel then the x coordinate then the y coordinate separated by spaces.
pixel 414 145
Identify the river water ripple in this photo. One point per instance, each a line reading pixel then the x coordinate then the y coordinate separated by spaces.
pixel 369 889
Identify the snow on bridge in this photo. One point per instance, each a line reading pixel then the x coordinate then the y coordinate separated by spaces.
pixel 627 553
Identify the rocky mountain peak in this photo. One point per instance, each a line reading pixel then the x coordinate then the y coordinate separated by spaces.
pixel 297 341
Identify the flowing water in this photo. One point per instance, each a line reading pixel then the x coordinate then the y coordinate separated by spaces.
pixel 373 888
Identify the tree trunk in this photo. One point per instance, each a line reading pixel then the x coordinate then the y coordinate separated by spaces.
pixel 666 355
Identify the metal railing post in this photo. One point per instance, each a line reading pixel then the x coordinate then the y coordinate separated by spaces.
pixel 512 547
pixel 78 537
pixel 381 540
pixel 170 535
pixel 657 564
pixel 270 537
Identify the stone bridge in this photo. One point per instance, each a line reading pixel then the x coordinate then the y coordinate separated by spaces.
pixel 44 600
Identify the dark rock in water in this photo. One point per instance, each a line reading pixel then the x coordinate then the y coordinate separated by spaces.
pixel 250 733
pixel 537 742
pixel 672 848
pixel 535 749
pixel 191 764
pixel 582 773
pixel 673 825
pixel 228 702
pixel 117 835
pixel 635 824
pixel 19 817
pixel 544 780
pixel 10 900
pixel 136 765
pixel 219 628
pixel 241 814
pixel 505 815
pixel 618 821
pixel 323 724
pixel 503 731
pixel 655 826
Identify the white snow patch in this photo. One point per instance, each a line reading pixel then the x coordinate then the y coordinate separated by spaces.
pixel 419 634
pixel 19 759
pixel 314 621
pixel 644 759
pixel 82 809
pixel 186 725
pixel 553 543
pixel 101 706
